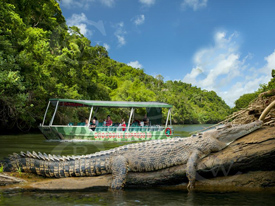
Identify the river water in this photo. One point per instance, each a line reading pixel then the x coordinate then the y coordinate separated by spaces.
pixel 130 196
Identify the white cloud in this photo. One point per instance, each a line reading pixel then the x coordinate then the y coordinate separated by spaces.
pixel 120 34
pixel 107 46
pixel 108 3
pixel 135 64
pixel 270 64
pixel 121 40
pixel 71 4
pixel 147 2
pixel 220 68
pixel 79 3
pixel 240 88
pixel 195 4
pixel 81 21
pixel 222 59
pixel 191 78
pixel 138 20
pixel 76 19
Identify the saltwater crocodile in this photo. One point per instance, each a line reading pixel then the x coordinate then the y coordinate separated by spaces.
pixel 137 157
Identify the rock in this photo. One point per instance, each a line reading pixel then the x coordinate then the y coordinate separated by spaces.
pixel 6 179
pixel 74 183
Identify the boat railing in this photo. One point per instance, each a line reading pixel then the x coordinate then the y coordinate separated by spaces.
pixel 134 128
pixel 131 129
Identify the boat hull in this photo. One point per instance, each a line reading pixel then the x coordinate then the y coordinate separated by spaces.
pixel 107 134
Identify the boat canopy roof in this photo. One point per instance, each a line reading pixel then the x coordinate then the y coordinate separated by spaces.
pixel 89 103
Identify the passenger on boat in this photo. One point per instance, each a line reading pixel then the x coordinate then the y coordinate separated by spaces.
pixel 122 125
pixel 93 124
pixel 109 122
pixel 146 120
pixel 96 121
pixel 136 122
pixel 86 123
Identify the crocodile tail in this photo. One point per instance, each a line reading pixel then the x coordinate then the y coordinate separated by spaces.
pixel 56 166
pixel 11 163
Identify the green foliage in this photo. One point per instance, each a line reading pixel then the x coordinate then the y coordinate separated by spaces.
pixel 245 99
pixel 1 168
pixel 193 105
pixel 41 58
pixel 19 171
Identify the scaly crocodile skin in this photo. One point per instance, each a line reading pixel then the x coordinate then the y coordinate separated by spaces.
pixel 138 157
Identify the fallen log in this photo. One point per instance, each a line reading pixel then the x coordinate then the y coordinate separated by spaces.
pixel 254 152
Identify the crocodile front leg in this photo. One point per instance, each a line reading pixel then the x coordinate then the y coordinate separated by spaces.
pixel 119 167
pixel 191 169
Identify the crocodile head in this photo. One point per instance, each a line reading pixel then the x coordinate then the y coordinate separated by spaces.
pixel 230 133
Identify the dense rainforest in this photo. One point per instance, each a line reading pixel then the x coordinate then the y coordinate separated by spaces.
pixel 42 58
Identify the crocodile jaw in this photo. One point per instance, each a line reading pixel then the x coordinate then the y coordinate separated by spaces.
pixel 230 134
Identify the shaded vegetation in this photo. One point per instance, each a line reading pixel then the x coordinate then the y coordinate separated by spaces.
pixel 41 58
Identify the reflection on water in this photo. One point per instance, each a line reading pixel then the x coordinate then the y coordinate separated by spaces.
pixel 36 142
pixel 134 197
pixel 185 130
pixel 155 196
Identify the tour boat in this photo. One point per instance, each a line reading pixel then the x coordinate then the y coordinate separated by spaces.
pixel 153 130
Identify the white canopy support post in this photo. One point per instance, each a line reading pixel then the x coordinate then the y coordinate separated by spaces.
pixel 51 122
pixel 131 114
pixel 46 113
pixel 169 111
pixel 91 112
pixel 170 118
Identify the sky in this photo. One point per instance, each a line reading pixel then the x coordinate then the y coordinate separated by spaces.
pixel 227 46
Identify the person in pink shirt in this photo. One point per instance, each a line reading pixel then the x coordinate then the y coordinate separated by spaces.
pixel 109 122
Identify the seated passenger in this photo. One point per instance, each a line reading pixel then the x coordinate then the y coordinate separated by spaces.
pixel 86 123
pixel 122 125
pixel 146 120
pixel 93 124
pixel 136 122
pixel 96 121
pixel 109 122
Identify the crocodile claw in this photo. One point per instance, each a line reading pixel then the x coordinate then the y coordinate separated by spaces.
pixel 191 186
